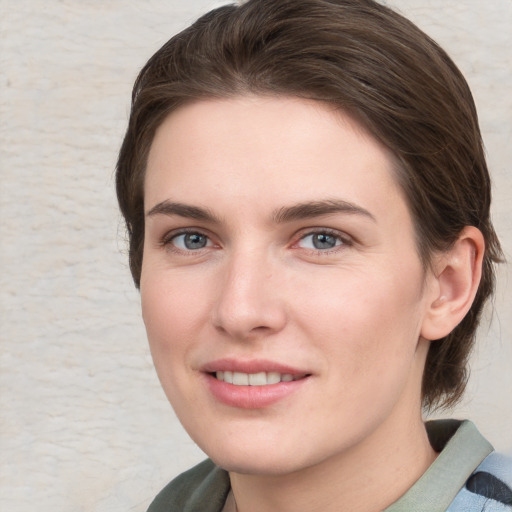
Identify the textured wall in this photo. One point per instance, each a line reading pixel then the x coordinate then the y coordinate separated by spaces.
pixel 84 424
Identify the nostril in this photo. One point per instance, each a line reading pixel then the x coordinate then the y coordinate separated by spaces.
pixel 261 328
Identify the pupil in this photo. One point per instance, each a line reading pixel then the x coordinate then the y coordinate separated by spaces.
pixel 323 241
pixel 195 241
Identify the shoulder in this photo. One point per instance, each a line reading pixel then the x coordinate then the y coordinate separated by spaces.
pixel 489 488
pixel 201 489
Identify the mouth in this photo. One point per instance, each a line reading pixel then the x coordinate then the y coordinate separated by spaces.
pixel 256 379
pixel 253 384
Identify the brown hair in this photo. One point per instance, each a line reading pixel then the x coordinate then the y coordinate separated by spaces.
pixel 368 61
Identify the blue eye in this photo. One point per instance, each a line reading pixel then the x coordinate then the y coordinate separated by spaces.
pixel 320 241
pixel 191 241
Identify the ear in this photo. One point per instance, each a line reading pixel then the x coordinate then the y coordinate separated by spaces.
pixel 455 280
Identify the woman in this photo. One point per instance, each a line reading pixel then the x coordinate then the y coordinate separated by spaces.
pixel 307 202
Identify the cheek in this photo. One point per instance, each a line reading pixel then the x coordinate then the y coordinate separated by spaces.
pixel 366 322
pixel 170 312
pixel 171 317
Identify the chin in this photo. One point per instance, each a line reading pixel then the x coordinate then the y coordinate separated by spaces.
pixel 270 456
pixel 259 465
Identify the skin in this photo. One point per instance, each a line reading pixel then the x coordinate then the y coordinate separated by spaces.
pixel 355 317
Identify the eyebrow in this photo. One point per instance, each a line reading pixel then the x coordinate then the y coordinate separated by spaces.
pixel 282 215
pixel 317 209
pixel 183 210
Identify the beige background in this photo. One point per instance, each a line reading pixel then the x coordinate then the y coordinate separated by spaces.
pixel 84 425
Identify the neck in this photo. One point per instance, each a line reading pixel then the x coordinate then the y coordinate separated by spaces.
pixel 367 477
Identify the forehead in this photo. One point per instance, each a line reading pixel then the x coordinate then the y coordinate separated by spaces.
pixel 267 151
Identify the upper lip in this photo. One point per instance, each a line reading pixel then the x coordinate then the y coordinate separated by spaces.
pixel 250 366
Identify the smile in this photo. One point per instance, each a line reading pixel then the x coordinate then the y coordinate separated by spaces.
pixel 255 379
pixel 253 384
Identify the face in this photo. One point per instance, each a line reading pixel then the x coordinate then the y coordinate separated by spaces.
pixel 282 291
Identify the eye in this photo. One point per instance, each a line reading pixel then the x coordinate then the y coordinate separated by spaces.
pixel 320 241
pixel 190 241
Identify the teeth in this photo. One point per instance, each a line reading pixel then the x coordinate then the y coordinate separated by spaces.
pixel 273 377
pixel 240 379
pixel 255 379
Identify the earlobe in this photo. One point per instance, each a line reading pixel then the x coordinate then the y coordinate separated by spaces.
pixel 456 277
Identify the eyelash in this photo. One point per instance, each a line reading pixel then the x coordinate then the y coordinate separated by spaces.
pixel 345 240
pixel 168 238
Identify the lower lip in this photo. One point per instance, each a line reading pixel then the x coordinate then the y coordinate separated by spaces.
pixel 252 397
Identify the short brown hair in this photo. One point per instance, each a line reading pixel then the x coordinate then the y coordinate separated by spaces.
pixel 372 63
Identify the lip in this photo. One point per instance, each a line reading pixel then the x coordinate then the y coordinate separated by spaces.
pixel 251 397
pixel 250 366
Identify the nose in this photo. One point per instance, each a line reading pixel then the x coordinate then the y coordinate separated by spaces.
pixel 250 301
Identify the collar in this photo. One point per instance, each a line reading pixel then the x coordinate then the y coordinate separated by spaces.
pixel 462 448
